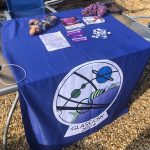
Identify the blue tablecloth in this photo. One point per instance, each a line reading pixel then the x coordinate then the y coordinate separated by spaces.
pixel 73 92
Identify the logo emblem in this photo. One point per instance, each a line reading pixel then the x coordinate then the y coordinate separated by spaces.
pixel 85 94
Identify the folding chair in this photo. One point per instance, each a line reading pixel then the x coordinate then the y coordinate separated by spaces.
pixel 20 9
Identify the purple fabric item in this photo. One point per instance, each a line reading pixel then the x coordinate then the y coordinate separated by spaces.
pixel 75 33
pixel 80 39
pixel 95 9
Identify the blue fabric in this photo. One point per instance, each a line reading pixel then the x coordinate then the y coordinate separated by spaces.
pixel 19 5
pixel 25 8
pixel 27 13
pixel 47 70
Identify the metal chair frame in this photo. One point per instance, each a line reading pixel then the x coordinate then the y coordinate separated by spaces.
pixel 47 5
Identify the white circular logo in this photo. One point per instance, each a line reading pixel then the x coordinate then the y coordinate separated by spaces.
pixel 87 91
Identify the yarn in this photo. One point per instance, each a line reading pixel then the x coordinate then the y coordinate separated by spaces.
pixel 98 9
pixel 38 26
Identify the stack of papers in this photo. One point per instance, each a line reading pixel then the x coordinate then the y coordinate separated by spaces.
pixel 54 41
pixel 72 23
pixel 75 26
pixel 93 20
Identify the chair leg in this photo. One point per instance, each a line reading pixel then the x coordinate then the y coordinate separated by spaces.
pixel 8 121
pixel 7 15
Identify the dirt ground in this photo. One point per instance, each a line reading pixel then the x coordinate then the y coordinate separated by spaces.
pixel 129 132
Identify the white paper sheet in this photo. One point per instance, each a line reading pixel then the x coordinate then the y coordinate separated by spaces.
pixel 75 26
pixel 54 41
pixel 91 20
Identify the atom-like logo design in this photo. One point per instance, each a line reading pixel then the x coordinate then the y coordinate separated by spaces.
pixel 87 91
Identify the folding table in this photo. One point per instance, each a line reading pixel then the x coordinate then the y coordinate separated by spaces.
pixel 46 125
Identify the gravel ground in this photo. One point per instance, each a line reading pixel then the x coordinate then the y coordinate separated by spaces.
pixel 129 132
pixel 137 8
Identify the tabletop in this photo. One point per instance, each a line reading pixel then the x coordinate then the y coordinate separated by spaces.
pixel 130 23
